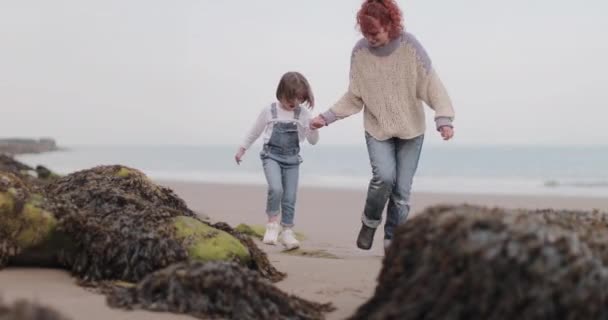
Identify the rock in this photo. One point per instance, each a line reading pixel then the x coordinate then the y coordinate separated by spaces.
pixel 111 223
pixel 259 259
pixel 34 178
pixel 205 243
pixel 215 289
pixel 9 164
pixel 45 174
pixel 124 226
pixel 24 310
pixel 466 262
pixel 26 222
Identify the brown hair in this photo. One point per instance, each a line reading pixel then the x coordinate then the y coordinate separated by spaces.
pixel 384 12
pixel 293 85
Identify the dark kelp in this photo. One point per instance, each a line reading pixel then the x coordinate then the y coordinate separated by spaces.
pixel 124 226
pixel 468 262
pixel 214 289
pixel 24 310
pixel 115 224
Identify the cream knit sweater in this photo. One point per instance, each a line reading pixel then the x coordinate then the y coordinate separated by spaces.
pixel 389 84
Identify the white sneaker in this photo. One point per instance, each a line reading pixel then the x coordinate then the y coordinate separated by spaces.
pixel 288 239
pixel 272 233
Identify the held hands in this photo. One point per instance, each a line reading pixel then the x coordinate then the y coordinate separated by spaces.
pixel 317 122
pixel 239 155
pixel 447 132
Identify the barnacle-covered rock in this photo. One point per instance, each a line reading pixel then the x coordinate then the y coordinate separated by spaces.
pixel 215 289
pixel 25 310
pixel 466 262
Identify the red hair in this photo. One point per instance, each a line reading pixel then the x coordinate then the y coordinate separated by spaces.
pixel 380 13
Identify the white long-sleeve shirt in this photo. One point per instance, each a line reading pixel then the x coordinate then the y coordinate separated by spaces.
pixel 264 125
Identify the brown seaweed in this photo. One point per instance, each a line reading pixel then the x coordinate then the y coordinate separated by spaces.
pixel 466 262
pixel 215 289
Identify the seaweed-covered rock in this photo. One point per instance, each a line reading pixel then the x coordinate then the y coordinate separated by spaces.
pixel 259 260
pixel 122 223
pixel 215 289
pixel 24 310
pixel 106 190
pixel 33 177
pixel 26 220
pixel 468 262
pixel 44 173
pixel 9 164
pixel 111 223
pixel 124 226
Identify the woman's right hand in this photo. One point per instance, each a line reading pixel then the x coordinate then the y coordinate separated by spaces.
pixel 317 122
pixel 239 155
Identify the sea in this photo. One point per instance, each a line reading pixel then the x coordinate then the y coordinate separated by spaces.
pixel 516 170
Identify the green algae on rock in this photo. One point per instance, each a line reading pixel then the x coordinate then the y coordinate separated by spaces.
pixel 205 243
pixel 26 222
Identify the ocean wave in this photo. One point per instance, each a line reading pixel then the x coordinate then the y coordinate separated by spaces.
pixel 577 184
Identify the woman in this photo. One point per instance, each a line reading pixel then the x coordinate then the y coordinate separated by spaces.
pixel 390 76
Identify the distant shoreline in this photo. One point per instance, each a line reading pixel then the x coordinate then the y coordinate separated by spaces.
pixel 16 146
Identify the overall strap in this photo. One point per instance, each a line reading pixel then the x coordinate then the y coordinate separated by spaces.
pixel 273 110
pixel 296 113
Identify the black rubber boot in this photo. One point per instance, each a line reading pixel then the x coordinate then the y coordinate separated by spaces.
pixel 366 237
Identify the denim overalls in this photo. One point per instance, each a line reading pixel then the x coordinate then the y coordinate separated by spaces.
pixel 281 160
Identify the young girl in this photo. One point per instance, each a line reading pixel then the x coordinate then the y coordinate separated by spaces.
pixel 284 124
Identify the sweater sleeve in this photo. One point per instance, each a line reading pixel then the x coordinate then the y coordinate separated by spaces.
pixel 256 130
pixel 348 105
pixel 351 102
pixel 434 94
pixel 429 87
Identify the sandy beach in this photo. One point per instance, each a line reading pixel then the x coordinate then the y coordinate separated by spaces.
pixel 336 271
pixel 483 104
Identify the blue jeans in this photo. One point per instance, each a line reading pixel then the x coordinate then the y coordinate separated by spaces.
pixel 282 181
pixel 394 162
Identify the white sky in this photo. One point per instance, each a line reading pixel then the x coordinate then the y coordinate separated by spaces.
pixel 198 72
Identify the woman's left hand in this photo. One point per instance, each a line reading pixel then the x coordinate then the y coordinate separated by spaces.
pixel 447 132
